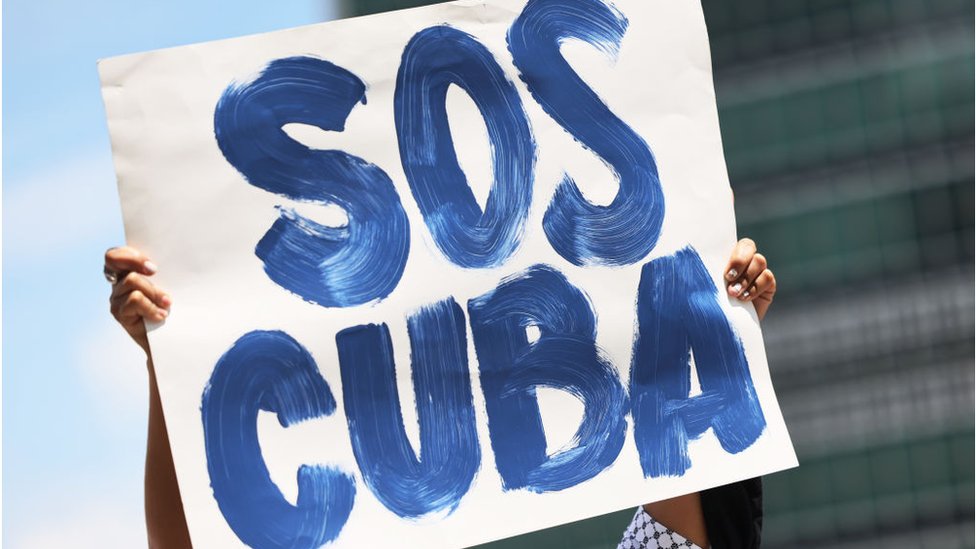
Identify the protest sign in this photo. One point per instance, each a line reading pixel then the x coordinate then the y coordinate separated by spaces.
pixel 443 275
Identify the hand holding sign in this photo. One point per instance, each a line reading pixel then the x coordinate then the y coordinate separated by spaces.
pixel 134 299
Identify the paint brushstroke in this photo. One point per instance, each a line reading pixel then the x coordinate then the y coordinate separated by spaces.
pixel 433 60
pixel 583 233
pixel 678 312
pixel 270 371
pixel 564 357
pixel 331 266
pixel 449 450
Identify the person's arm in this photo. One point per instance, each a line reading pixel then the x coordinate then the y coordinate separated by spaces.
pixel 134 298
pixel 747 278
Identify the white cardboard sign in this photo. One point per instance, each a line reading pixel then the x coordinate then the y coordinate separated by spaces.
pixel 444 275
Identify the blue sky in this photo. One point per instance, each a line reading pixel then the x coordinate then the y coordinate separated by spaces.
pixel 74 386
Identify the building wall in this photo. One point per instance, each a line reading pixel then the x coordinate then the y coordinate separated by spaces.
pixel 848 131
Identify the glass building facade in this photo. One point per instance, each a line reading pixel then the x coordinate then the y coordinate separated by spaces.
pixel 848 132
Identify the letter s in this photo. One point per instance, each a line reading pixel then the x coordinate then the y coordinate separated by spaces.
pixel 583 233
pixel 331 266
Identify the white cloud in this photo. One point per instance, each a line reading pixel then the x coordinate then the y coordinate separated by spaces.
pixel 65 206
pixel 104 504
pixel 91 504
pixel 114 369
pixel 86 524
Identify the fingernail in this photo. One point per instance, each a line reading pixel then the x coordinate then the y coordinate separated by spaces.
pixel 732 274
pixel 150 267
pixel 163 314
pixel 745 294
pixel 165 300
pixel 735 288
